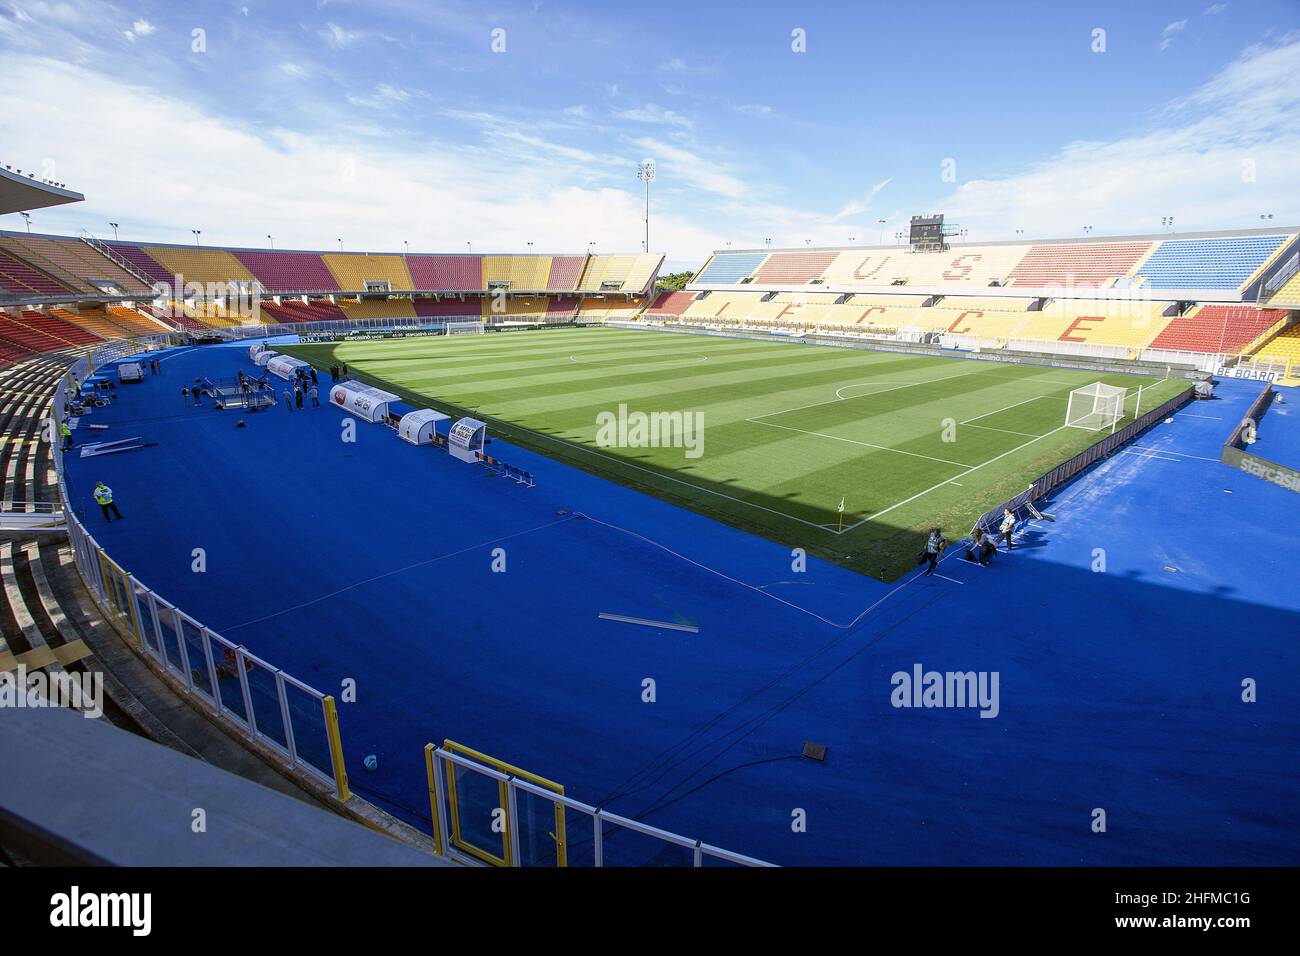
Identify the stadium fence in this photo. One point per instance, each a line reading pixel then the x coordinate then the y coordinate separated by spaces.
pixel 1046 483
pixel 1234 452
pixel 272 709
pixel 535 822
pixel 262 703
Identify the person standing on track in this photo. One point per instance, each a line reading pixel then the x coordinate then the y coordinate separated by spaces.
pixel 934 546
pixel 1007 526
pixel 66 432
pixel 315 396
pixel 288 401
pixel 104 498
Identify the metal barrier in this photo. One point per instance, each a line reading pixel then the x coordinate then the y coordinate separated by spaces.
pixel 1235 455
pixel 1063 472
pixel 453 768
pixel 262 702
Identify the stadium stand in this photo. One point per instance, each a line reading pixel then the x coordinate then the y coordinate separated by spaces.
pixel 784 268
pixel 1284 346
pixel 973 266
pixel 606 273
pixel 729 268
pixel 143 263
pixel 289 271
pixel 1006 304
pixel 447 308
pixel 877 319
pixel 528 273
pixel 22 280
pixel 1217 328
pixel 201 264
pixel 642 272
pixel 30 333
pixel 376 308
pixel 1095 264
pixel 1226 262
pixel 515 308
pixel 432 273
pixel 1289 294
pixel 353 270
pixel 1125 324
pixel 73 263
pixel 59 328
pixel 565 273
pixel 560 307
pixel 670 303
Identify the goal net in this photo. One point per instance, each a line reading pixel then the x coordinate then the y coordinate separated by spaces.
pixel 1095 407
pixel 464 328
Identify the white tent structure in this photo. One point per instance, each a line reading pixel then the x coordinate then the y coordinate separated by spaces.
pixel 417 427
pixel 286 366
pixel 264 357
pixel 466 439
pixel 367 403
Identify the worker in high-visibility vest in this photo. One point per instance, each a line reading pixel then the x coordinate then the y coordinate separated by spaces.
pixel 104 497
pixel 66 432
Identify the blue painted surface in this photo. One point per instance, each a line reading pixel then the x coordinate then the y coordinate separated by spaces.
pixel 1119 689
pixel 1278 432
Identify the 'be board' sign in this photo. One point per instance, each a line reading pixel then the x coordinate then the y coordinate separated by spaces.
pixel 1250 373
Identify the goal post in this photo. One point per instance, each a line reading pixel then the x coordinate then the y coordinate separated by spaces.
pixel 1096 407
pixel 464 328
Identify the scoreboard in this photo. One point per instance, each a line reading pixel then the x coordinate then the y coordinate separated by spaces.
pixel 927 232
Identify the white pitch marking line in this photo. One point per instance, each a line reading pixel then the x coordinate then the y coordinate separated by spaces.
pixel 948 481
pixel 936 574
pixel 832 401
pixel 1005 431
pixel 1137 454
pixel 1007 409
pixel 1170 451
pixel 866 444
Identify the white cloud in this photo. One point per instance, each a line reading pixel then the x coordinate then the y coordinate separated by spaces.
pixel 336 37
pixel 1169 32
pixel 140 28
pixel 1214 9
pixel 1218 158
pixel 238 183
pixel 650 113
pixel 755 109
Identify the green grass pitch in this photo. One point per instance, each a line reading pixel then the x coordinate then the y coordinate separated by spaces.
pixel 789 431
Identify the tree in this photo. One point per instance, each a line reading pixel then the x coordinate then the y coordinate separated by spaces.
pixel 674 281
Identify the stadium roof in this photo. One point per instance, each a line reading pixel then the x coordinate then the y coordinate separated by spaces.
pixel 19 193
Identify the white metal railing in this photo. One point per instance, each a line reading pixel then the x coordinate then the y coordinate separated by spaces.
pixel 276 710
pixel 445 809
pixel 262 702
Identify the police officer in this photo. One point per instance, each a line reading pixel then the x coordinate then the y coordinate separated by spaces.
pixel 104 497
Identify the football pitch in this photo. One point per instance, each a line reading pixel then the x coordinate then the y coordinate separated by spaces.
pixel 849 454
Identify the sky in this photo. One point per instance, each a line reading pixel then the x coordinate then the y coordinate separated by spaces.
pixel 488 126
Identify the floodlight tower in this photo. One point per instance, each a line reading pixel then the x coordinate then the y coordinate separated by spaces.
pixel 645 171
